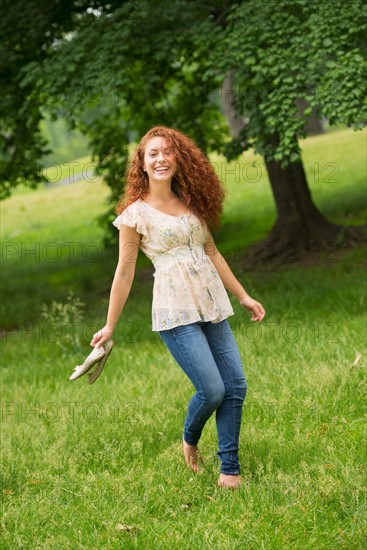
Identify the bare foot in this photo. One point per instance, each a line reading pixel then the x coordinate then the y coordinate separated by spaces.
pixel 192 454
pixel 229 482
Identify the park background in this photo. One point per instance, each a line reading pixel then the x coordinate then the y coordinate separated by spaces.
pixel 101 466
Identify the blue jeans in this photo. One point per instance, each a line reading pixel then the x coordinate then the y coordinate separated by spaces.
pixel 208 354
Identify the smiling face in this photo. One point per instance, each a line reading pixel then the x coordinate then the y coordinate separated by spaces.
pixel 159 160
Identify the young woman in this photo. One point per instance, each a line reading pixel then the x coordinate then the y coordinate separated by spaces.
pixel 172 199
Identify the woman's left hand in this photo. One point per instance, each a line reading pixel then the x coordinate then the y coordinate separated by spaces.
pixel 257 309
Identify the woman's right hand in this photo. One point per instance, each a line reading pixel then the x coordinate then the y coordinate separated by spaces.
pixel 101 336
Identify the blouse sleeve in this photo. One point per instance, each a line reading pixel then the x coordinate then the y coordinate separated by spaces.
pixel 130 216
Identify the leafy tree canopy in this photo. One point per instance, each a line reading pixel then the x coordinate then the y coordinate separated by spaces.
pixel 287 50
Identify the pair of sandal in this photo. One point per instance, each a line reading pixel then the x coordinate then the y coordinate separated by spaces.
pixel 97 357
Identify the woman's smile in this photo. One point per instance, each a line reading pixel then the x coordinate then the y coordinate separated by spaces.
pixel 159 160
pixel 162 169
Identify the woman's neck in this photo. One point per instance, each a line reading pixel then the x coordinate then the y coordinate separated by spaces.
pixel 160 193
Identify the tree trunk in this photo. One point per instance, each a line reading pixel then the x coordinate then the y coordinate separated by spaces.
pixel 235 121
pixel 300 228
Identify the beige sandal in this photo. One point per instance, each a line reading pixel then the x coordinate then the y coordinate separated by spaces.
pixel 97 357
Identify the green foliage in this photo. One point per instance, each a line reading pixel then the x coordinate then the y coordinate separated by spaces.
pixel 32 31
pixel 120 69
pixel 116 87
pixel 283 52
pixel 28 30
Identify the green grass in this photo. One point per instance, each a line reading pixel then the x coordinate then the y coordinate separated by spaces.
pixel 78 460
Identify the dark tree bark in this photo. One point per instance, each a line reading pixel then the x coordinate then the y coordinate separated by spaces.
pixel 300 227
pixel 235 121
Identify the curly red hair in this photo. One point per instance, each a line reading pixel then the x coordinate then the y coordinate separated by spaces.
pixel 195 182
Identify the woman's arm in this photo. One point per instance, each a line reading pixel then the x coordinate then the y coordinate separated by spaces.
pixel 231 283
pixel 129 241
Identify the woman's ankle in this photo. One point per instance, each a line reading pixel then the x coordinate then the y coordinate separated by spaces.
pixel 192 455
pixel 230 481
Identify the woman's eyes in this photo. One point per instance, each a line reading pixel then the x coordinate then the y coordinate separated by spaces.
pixel 167 153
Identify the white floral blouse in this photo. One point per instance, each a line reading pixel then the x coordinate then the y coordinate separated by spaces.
pixel 187 287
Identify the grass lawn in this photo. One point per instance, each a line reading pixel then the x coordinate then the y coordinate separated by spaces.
pixel 101 466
